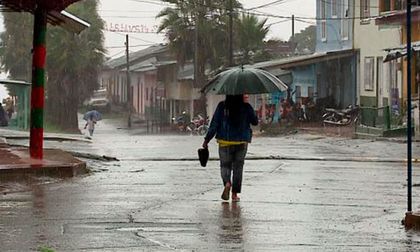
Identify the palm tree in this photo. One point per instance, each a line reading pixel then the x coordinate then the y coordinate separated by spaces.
pixel 73 61
pixel 208 19
pixel 73 66
pixel 15 53
pixel 250 35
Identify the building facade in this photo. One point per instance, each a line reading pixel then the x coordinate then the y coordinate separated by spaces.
pixel 379 82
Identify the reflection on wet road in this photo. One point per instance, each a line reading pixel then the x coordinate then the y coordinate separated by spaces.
pixel 286 205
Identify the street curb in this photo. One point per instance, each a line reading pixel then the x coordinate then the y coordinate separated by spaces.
pixel 16 164
pixel 357 159
pixel 49 138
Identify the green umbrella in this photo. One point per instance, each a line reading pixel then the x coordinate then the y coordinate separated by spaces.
pixel 244 80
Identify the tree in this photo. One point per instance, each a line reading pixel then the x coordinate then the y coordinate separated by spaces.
pixel 197 29
pixel 73 61
pixel 305 40
pixel 206 19
pixel 15 53
pixel 73 66
pixel 251 34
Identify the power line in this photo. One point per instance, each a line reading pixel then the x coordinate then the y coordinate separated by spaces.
pixel 243 10
pixel 135 38
pixel 131 46
pixel 341 4
pixel 266 5
pixel 125 11
pixel 279 22
pixel 117 53
pixel 160 3
pixel 263 14
pixel 154 17
pixel 306 22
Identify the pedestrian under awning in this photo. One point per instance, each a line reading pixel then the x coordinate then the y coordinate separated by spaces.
pixel 401 51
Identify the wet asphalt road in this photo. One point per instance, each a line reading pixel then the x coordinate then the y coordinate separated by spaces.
pixel 287 205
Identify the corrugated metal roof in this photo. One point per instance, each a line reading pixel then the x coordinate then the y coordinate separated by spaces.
pixel 291 62
pixel 186 72
pixel 401 51
pixel 15 82
pixel 397 16
pixel 136 56
pixel 55 15
pixel 30 5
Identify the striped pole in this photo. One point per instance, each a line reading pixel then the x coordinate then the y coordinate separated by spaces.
pixel 38 81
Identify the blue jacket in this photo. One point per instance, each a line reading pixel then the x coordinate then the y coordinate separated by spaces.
pixel 221 127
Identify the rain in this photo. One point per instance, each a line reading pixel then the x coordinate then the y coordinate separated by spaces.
pixel 254 125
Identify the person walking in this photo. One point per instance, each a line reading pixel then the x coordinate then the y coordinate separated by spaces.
pixel 231 124
pixel 90 125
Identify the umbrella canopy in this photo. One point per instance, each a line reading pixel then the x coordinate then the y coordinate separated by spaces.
pixel 242 80
pixel 93 115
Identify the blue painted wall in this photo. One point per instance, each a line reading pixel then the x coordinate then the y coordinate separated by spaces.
pixel 334 40
pixel 304 77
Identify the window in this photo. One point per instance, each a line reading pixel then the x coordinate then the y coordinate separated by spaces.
pixel 323 16
pixel 369 73
pixel 345 21
pixel 385 5
pixel 364 9
pixel 310 92
pixel 298 93
pixel 416 56
pixel 334 8
pixel 147 94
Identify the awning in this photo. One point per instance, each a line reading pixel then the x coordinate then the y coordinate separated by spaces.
pixel 14 82
pixel 55 13
pixel 67 21
pixel 401 51
pixel 398 17
pixel 30 5
pixel 298 61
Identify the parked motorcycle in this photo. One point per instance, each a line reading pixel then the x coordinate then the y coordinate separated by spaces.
pixel 200 125
pixel 182 122
pixel 341 117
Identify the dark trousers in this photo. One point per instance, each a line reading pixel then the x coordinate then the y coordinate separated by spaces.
pixel 232 160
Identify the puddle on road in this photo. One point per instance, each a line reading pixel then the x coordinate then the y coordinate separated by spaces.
pixel 27 184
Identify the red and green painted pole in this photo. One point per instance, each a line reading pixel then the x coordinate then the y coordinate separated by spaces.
pixel 38 82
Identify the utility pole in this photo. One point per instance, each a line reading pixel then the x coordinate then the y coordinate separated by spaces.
pixel 409 140
pixel 36 138
pixel 128 81
pixel 196 52
pixel 293 27
pixel 230 33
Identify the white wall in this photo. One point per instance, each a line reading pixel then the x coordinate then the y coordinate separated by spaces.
pixel 371 40
pixel 212 101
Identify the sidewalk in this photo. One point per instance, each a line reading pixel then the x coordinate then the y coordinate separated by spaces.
pixel 15 163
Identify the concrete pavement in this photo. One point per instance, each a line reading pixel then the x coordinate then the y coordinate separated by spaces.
pixel 16 163
pixel 146 203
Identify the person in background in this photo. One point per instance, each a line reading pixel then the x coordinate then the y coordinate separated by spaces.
pixel 9 107
pixel 231 124
pixel 90 125
pixel 4 121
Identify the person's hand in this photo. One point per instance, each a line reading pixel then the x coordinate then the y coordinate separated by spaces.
pixel 205 144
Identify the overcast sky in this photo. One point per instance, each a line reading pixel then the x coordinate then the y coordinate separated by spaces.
pixel 142 13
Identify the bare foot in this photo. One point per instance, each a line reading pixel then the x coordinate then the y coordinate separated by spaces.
pixel 225 194
pixel 235 197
